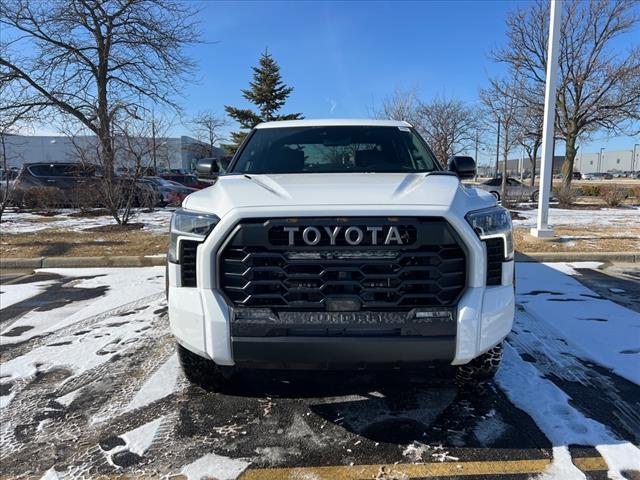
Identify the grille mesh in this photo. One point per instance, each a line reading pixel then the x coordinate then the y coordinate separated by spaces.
pixel 431 272
pixel 188 249
pixel 495 257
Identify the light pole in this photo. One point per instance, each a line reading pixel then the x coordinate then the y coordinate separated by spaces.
pixel 546 165
pixel 600 159
pixel 633 159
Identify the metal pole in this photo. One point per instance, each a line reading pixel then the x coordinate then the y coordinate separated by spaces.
pixel 476 158
pixel 542 229
pixel 153 145
pixel 498 150
pixel 633 163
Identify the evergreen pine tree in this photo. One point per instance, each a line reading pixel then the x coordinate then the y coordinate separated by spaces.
pixel 267 92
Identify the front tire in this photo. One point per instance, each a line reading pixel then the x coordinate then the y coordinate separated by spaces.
pixel 481 369
pixel 201 371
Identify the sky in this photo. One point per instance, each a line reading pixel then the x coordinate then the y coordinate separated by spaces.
pixel 344 58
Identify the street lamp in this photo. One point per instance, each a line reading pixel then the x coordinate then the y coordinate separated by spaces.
pixel 600 159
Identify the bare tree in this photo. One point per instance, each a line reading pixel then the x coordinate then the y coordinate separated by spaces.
pixel 448 125
pixel 96 61
pixel 208 129
pixel 16 110
pixel 402 105
pixel 598 88
pixel 133 148
pixel 502 104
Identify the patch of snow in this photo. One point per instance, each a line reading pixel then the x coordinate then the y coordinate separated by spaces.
pixel 6 399
pixel 25 222
pixel 163 382
pixel 140 439
pixel 68 399
pixel 122 286
pixel 214 466
pixel 570 268
pixel 562 467
pixel 562 424
pixel 567 306
pixel 50 474
pixel 606 217
pixel 12 294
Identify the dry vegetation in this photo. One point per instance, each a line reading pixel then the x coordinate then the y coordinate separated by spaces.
pixel 59 243
pixel 596 239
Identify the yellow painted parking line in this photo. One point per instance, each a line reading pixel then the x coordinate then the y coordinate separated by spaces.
pixel 460 469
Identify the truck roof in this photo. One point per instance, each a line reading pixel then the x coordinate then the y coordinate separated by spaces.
pixel 334 122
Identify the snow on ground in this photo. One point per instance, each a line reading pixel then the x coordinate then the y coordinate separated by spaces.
pixel 606 217
pixel 561 423
pixel 221 468
pixel 608 333
pixel 119 285
pixel 12 294
pixel 161 383
pixel 133 289
pixel 25 222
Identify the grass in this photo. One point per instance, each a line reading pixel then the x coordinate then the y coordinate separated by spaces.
pixel 60 243
pixel 55 243
pixel 593 239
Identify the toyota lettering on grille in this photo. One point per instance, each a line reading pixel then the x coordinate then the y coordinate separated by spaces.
pixel 353 235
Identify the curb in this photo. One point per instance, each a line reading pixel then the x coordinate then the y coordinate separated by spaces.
pixel 142 261
pixel 620 257
pixel 83 262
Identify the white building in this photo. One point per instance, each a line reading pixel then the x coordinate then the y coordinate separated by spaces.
pixel 604 161
pixel 170 152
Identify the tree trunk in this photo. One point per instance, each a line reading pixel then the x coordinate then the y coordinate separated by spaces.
pixel 534 158
pixel 570 156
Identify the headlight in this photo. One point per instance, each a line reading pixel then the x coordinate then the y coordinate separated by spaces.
pixel 193 225
pixel 493 222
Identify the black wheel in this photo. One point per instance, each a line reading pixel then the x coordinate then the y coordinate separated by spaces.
pixel 201 371
pixel 534 196
pixel 496 194
pixel 480 370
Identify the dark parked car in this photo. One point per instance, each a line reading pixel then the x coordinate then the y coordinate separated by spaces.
pixel 64 176
pixel 76 177
pixel 188 180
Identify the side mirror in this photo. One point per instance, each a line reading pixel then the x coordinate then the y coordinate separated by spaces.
pixel 207 168
pixel 463 167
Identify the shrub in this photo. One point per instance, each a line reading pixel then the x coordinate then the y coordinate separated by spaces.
pixel 83 198
pixel 614 195
pixel 566 196
pixel 44 198
pixel 590 190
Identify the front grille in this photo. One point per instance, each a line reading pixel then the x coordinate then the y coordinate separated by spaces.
pixel 188 249
pixel 495 257
pixel 257 268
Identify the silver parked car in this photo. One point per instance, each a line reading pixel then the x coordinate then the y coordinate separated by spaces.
pixel 516 190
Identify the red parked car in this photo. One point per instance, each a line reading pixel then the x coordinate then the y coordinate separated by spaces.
pixel 190 181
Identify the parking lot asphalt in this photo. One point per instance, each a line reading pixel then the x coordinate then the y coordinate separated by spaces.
pixel 90 385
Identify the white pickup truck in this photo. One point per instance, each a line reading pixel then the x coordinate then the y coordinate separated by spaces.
pixel 339 244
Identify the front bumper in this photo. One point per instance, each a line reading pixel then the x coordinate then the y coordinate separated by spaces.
pixel 200 318
pixel 201 321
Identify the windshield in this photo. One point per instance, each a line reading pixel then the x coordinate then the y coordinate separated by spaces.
pixel 339 149
pixel 62 170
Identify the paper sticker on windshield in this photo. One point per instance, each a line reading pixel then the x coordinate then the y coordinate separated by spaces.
pixel 404 129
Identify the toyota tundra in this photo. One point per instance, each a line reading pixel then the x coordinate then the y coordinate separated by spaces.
pixel 339 244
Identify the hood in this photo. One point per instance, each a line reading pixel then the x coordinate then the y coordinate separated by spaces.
pixel 237 191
